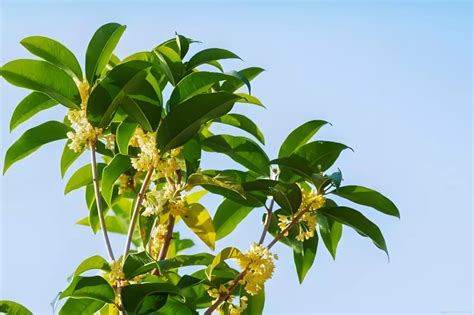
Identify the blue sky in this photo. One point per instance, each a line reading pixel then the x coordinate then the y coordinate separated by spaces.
pixel 395 80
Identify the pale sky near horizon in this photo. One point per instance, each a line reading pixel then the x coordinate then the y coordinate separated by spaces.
pixel 394 79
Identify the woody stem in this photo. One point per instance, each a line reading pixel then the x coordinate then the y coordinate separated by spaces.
pixel 225 296
pixel 168 236
pixel 98 200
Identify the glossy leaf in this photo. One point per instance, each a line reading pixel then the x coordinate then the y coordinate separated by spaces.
pixel 234 84
pixel 208 55
pixel 255 303
pixel 368 197
pixel 185 120
pixel 240 149
pixel 300 136
pixel 54 52
pixel 197 218
pixel 304 259
pixel 226 253
pixel 33 139
pixel 223 182
pixel 249 99
pixel 124 133
pixel 288 196
pixel 68 157
pixel 138 263
pixel 80 306
pixel 358 222
pixel 200 259
pixel 107 95
pixel 133 294
pixel 192 156
pixel 83 177
pixel 331 232
pixel 242 122
pixel 94 287
pixel 32 104
pixel 92 263
pixel 119 164
pixel 13 308
pixel 100 49
pixel 43 77
pixel 228 215
pixel 170 63
pixel 114 224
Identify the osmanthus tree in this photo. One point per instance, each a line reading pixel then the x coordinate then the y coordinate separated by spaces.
pixel 148 118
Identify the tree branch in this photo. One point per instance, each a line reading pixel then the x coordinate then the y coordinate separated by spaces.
pixel 267 222
pixel 136 211
pixel 225 296
pixel 98 200
pixel 168 236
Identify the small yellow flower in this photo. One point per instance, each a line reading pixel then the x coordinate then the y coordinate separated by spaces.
pixel 110 141
pixel 125 184
pixel 115 275
pixel 158 239
pixel 258 261
pixel 178 206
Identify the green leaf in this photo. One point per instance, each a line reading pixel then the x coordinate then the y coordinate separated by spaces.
pixel 320 154
pixel 123 135
pixel 197 218
pixel 201 259
pixel 304 259
pixel 368 197
pixel 54 52
pixel 32 104
pixel 288 196
pixel 92 263
pixel 13 308
pixel 255 303
pixel 106 97
pixel 114 224
pixel 234 84
pixel 208 55
pixel 43 77
pixel 249 99
pixel 134 294
pixel 228 215
pixel 358 222
pixel 119 164
pixel 170 63
pixel 242 122
pixel 80 306
pixel 240 149
pixel 138 263
pixel 192 156
pixel 330 231
pixel 226 253
pixel 83 177
pixel 185 120
pixel 193 84
pixel 33 139
pixel 100 49
pixel 68 157
pixel 205 181
pixel 300 136
pixel 336 178
pixel 95 287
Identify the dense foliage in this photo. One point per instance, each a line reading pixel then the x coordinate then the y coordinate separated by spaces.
pixel 148 117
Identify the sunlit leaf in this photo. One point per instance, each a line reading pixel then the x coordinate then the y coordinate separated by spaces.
pixel 197 218
pixel 32 104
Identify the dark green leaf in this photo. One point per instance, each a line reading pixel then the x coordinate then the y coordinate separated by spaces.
pixel 368 197
pixel 133 294
pixel 33 139
pixel 358 222
pixel 255 303
pixel 94 287
pixel 138 263
pixel 201 259
pixel 54 52
pixel 33 103
pixel 100 49
pixel 107 95
pixel 304 259
pixel 300 136
pixel 242 122
pixel 224 182
pixel 119 164
pixel 240 149
pixel 210 54
pixel 234 84
pixel 192 156
pixel 170 63
pixel 185 120
pixel 43 77
pixel 330 231
pixel 228 215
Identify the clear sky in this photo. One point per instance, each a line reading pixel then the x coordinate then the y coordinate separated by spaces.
pixel 394 78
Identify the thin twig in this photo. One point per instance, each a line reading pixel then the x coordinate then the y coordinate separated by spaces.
pixel 136 211
pixel 168 236
pixel 267 222
pixel 225 296
pixel 284 231
pixel 98 200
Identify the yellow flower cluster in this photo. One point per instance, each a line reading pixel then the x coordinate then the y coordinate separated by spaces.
pixel 110 141
pixel 158 239
pixel 125 184
pixel 178 206
pixel 156 200
pixel 84 132
pixel 258 261
pixel 307 223
pixel 232 309
pixel 149 154
pixel 115 275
